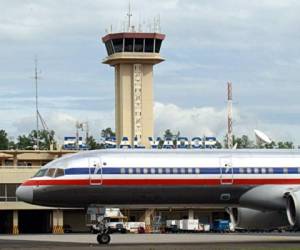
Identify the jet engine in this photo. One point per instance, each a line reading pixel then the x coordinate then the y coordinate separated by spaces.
pixel 257 220
pixel 293 208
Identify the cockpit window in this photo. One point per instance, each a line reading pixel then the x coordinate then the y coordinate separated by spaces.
pixel 59 172
pixel 50 172
pixel 40 173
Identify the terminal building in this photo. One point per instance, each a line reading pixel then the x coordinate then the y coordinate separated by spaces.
pixel 19 217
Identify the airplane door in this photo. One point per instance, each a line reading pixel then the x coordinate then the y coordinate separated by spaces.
pixel 226 170
pixel 95 171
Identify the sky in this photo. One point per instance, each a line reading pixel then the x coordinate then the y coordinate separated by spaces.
pixel 255 44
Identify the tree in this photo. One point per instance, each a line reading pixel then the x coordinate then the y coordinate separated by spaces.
pixel 268 145
pixel 242 142
pixel 4 142
pixel 24 142
pixel 218 145
pixel 107 133
pixel 92 144
pixel 46 140
pixel 11 145
pixel 169 134
pixel 285 145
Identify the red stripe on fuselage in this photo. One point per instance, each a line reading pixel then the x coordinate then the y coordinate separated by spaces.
pixel 65 182
pixel 164 182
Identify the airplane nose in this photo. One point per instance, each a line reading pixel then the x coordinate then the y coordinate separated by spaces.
pixel 25 193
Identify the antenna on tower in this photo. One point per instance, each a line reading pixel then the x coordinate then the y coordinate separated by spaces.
pixel 139 24
pixel 158 24
pixel 39 118
pixel 229 115
pixel 129 17
pixel 36 102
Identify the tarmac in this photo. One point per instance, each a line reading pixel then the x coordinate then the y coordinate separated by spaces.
pixel 154 241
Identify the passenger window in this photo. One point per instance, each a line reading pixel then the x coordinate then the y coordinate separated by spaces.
pixel 270 170
pixel 50 172
pixel 249 171
pixel 197 170
pixel 123 171
pixel 241 170
pixel 152 170
pixel 285 170
pixel 130 171
pixel 145 170
pixel 263 171
pixel 138 170
pixel 168 171
pixel 256 170
pixel 175 170
pixel 59 172
pixel 160 171
pixel 190 170
pixel 182 170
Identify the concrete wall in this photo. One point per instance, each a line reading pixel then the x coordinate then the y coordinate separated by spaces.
pixel 16 175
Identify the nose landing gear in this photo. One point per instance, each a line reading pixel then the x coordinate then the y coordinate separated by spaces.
pixel 101 228
pixel 103 238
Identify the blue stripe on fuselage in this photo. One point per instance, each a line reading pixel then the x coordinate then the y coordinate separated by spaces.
pixel 182 170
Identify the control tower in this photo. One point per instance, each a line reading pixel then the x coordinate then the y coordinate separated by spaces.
pixel 133 55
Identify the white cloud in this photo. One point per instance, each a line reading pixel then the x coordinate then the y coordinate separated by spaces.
pixel 190 122
pixel 64 123
pixel 210 121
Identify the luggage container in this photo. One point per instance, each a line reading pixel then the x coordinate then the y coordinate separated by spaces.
pixel 189 225
pixel 172 226
pixel 134 227
pixel 221 226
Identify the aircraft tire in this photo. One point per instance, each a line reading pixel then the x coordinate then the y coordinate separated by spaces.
pixel 103 238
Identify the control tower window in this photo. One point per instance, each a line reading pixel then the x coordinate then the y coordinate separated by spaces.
pixel 109 48
pixel 118 45
pixel 138 46
pixel 129 45
pixel 149 45
pixel 157 45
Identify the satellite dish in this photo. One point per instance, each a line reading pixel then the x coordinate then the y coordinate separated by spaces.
pixel 261 137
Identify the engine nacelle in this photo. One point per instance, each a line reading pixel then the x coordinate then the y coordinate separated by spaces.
pixel 257 220
pixel 293 208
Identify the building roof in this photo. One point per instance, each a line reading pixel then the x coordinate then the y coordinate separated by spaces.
pixel 133 35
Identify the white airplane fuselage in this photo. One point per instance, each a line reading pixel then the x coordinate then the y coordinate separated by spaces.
pixel 260 189
pixel 164 178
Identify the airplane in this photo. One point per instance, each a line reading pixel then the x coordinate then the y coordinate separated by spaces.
pixel 260 189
